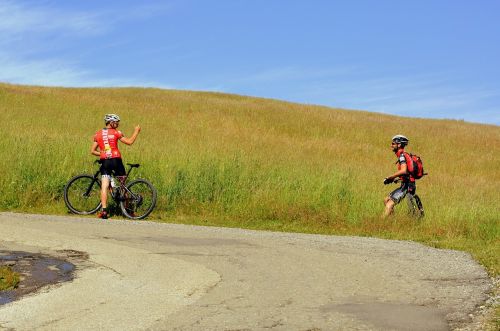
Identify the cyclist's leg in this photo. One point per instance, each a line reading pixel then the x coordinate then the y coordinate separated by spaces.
pixel 119 170
pixel 393 199
pixel 389 207
pixel 105 179
pixel 106 171
pixel 118 167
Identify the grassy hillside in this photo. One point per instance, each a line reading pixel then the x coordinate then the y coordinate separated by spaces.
pixel 220 159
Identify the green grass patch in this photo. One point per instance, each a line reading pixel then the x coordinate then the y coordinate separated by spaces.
pixel 8 279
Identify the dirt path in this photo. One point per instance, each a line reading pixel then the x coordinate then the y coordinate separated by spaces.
pixel 143 275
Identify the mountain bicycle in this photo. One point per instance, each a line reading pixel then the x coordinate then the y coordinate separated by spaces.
pixel 137 199
pixel 415 207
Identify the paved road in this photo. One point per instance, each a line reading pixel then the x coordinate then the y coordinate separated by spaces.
pixel 151 276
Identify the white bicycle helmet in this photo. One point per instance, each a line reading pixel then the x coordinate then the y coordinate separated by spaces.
pixel 400 139
pixel 111 118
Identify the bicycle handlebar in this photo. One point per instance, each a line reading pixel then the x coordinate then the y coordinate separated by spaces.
pixel 131 165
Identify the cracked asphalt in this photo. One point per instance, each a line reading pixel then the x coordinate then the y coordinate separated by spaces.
pixel 153 276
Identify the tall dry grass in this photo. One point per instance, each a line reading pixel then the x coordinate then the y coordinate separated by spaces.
pixel 229 160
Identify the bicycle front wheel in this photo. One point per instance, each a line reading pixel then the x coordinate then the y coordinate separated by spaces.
pixel 139 199
pixel 82 194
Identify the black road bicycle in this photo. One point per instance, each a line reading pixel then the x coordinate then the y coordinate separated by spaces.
pixel 415 207
pixel 137 199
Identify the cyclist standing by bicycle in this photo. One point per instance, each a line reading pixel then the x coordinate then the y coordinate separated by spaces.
pixel 105 146
pixel 398 145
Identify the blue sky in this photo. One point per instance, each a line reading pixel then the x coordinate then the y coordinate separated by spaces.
pixel 426 58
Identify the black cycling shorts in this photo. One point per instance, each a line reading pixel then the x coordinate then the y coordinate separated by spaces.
pixel 398 194
pixel 113 167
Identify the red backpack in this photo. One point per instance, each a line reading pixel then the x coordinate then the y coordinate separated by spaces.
pixel 415 165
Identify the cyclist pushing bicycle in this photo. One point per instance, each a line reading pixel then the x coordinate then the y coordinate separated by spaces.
pixel 105 146
pixel 408 186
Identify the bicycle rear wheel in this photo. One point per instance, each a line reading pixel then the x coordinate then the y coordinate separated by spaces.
pixel 139 199
pixel 82 194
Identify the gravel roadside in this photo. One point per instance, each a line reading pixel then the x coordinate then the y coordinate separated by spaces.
pixel 204 278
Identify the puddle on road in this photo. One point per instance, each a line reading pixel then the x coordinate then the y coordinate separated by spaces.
pixel 36 270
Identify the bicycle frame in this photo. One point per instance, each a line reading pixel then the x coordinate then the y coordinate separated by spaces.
pixel 121 180
pixel 96 179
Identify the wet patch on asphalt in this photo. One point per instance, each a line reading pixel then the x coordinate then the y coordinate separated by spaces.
pixel 38 270
pixel 394 316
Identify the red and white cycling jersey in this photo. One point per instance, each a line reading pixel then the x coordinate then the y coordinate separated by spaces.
pixel 402 158
pixel 108 143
